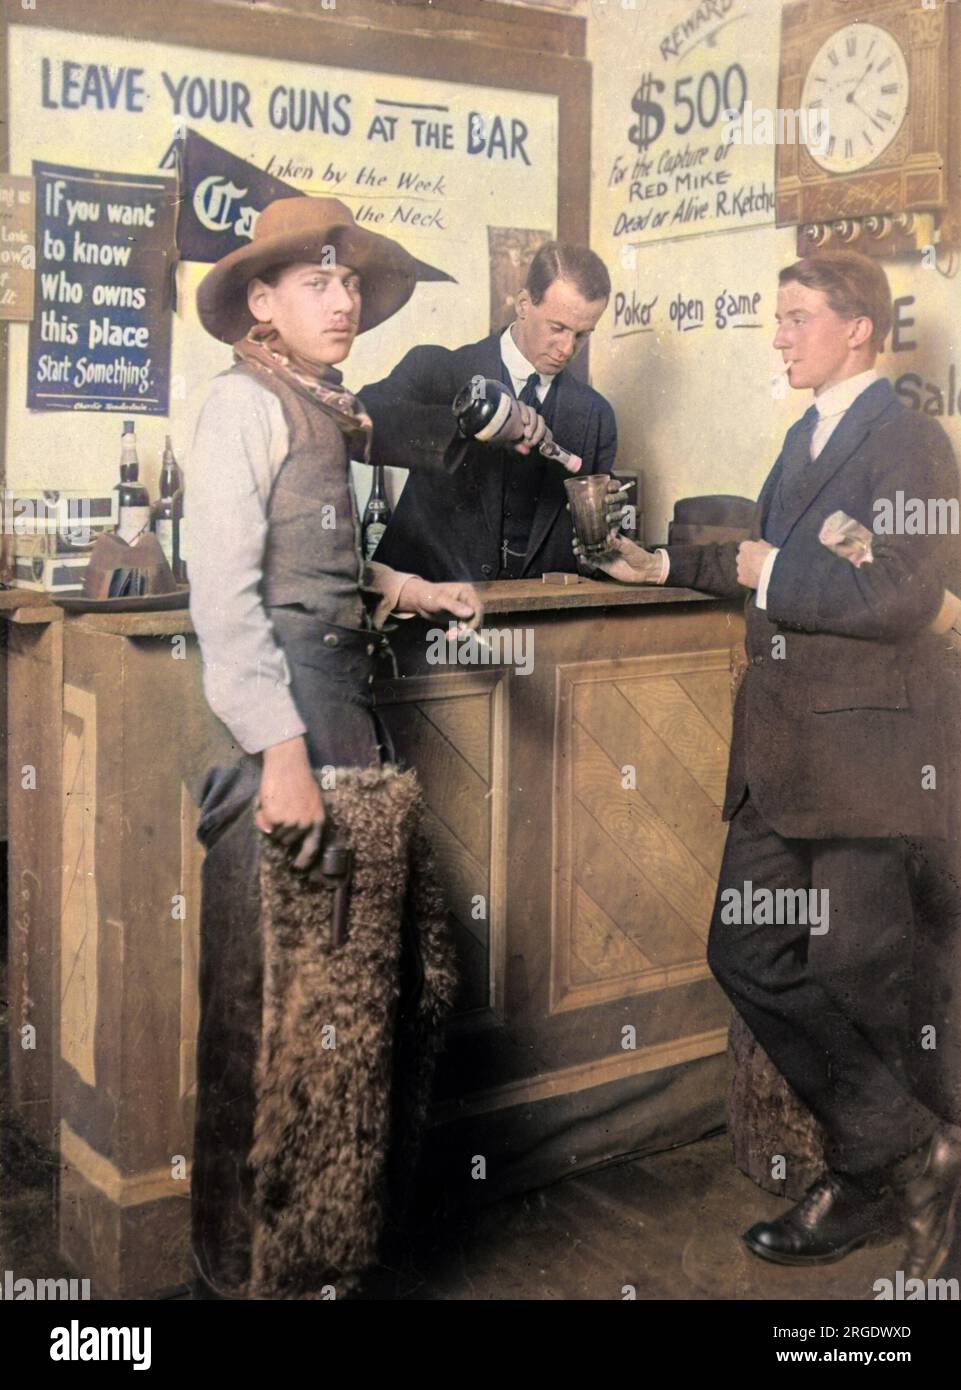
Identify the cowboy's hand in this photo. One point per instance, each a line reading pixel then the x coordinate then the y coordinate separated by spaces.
pixel 624 561
pixel 451 599
pixel 750 561
pixel 289 806
pixel 534 427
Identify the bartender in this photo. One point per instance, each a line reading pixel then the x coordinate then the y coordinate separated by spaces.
pixel 474 511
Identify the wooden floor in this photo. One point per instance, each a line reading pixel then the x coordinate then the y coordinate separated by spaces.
pixel 666 1227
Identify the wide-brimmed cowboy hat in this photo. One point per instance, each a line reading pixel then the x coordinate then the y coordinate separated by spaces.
pixel 299 229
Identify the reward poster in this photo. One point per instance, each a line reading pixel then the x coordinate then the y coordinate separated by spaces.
pixel 668 170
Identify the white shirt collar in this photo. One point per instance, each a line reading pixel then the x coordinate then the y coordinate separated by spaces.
pixel 837 399
pixel 515 361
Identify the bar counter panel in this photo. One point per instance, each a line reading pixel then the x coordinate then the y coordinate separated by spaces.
pixel 574 813
pixel 594 793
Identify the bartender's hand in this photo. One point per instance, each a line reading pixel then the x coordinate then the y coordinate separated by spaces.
pixel 534 427
pixel 624 560
pixel 451 599
pixel 289 807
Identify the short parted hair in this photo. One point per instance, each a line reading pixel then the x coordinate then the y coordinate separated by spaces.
pixel 854 286
pixel 561 260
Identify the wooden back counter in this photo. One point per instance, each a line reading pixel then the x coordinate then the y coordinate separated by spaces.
pixel 573 797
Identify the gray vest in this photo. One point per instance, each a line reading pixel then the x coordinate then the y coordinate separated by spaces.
pixel 313 554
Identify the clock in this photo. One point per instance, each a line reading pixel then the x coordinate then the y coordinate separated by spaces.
pixel 883 173
pixel 857 90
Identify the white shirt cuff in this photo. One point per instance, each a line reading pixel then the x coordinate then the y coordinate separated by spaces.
pixel 760 598
pixel 257 708
pixel 665 565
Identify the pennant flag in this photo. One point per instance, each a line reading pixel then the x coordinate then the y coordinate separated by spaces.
pixel 220 196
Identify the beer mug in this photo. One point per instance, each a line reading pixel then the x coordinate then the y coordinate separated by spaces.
pixel 588 499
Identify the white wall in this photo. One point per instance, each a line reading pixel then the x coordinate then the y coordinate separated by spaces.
pixel 695 411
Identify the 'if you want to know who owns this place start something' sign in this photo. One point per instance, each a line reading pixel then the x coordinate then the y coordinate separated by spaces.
pixel 100 338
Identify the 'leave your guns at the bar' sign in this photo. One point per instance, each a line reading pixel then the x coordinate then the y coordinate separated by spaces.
pixel 100 338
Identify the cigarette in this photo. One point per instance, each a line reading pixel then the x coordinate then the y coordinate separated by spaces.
pixel 779 382
pixel 463 630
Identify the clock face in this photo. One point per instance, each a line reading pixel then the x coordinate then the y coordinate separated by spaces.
pixel 857 88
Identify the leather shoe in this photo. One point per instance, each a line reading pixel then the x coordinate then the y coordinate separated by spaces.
pixel 927 1184
pixel 836 1215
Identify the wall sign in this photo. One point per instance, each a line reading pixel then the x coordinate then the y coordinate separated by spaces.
pixel 18 256
pixel 667 168
pixel 101 336
pixel 433 162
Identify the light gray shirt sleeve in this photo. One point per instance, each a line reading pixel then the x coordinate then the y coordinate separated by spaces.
pixel 239 444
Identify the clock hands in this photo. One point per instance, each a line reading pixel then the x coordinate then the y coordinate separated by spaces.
pixel 858 83
pixel 848 78
pixel 831 87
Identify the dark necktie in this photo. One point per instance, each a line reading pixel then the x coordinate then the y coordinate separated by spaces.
pixel 797 454
pixel 529 394
pixel 521 494
pixel 795 461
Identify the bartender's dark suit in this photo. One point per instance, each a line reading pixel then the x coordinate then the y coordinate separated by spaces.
pixel 469 511
pixel 826 779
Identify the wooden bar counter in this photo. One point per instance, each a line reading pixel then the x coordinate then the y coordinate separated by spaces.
pixel 574 807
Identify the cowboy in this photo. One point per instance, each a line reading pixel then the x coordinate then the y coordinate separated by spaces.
pixel 288 618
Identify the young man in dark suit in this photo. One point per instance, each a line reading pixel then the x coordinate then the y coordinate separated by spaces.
pixel 844 771
pixel 472 511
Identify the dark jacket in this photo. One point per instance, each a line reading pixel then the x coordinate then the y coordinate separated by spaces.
pixel 833 735
pixel 447 523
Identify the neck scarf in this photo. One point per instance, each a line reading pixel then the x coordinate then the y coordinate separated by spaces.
pixel 265 349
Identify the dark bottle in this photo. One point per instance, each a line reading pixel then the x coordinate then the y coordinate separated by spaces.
pixel 133 500
pixel 376 514
pixel 167 512
pixel 487 412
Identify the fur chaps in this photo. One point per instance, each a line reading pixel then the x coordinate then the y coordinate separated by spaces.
pixel 349 1040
